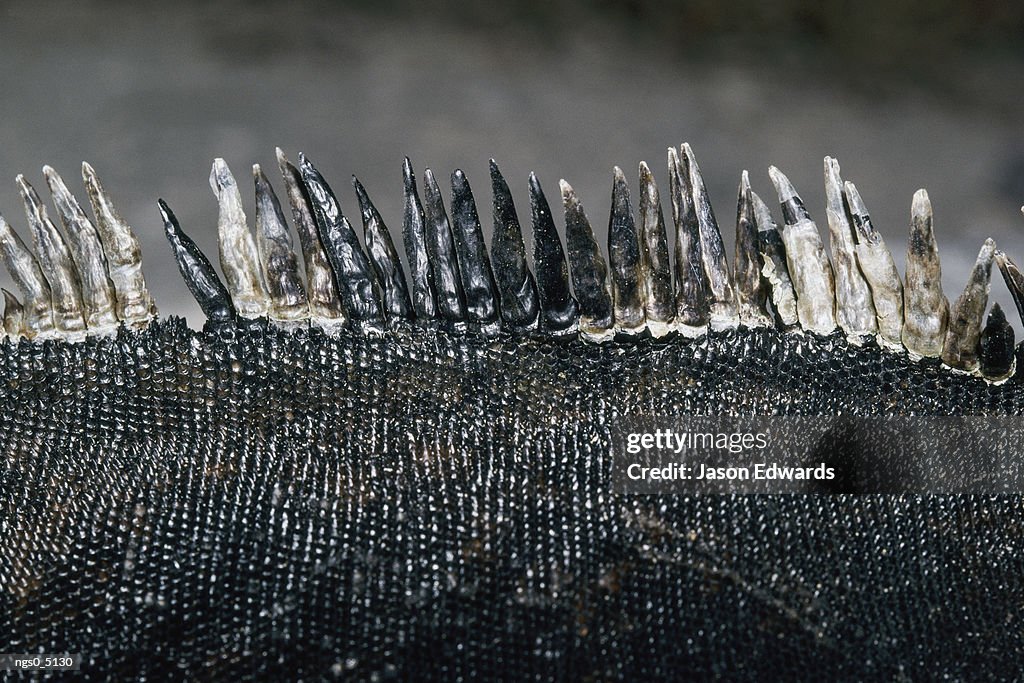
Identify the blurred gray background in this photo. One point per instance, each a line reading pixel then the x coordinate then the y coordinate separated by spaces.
pixel 905 94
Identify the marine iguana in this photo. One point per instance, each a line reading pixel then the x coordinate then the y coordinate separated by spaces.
pixel 348 474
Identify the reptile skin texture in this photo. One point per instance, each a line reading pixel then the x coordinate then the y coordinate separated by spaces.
pixel 246 503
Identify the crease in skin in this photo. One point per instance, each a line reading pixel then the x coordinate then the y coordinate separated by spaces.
pixel 624 259
pixel 478 285
pixel 383 257
pixel 655 262
pixel 855 309
pixel 351 268
pixel 274 245
pixel 239 258
pixel 588 269
pixel 880 272
pixel 197 271
pixel 14 315
pixel 414 236
pixel 322 296
pixel 960 349
pixel 99 300
pixel 809 267
pixel 56 264
pixel 37 316
pixel 134 304
pixel 751 289
pixel 774 266
pixel 925 308
pixel 517 290
pixel 691 285
pixel 996 347
pixel 441 253
pixel 721 297
pixel 559 309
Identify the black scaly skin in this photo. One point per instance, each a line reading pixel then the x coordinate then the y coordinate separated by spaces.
pixel 422 504
pixel 263 505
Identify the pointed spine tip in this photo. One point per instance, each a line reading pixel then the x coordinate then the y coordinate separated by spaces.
pixel 360 190
pixel 782 184
pixel 220 176
pixel 26 190
pixel 408 177
pixel 673 158
pixel 921 203
pixel 165 213
pixel 55 183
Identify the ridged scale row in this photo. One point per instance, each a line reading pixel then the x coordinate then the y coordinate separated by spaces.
pixel 88 278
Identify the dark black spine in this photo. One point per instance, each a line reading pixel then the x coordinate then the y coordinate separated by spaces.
pixel 559 310
pixel 197 271
pixel 624 257
pixel 383 257
pixel 587 266
pixel 995 348
pixel 414 234
pixel 474 264
pixel 517 290
pixel 441 253
pixel 1014 279
pixel 351 267
pixel 750 285
pixel 659 304
pixel 690 279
